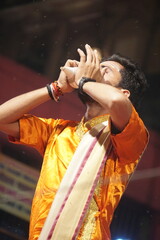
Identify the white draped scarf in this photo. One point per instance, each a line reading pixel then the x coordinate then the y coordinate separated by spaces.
pixel 77 187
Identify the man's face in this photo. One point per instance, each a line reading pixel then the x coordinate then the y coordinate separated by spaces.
pixel 110 72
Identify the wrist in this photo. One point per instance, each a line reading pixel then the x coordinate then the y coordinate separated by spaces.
pixel 54 91
pixel 60 85
pixel 82 81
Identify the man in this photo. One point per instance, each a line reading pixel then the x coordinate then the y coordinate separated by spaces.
pixel 86 165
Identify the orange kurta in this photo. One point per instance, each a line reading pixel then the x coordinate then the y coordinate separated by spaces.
pixel 57 141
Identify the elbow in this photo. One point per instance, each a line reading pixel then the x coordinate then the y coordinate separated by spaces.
pixel 119 102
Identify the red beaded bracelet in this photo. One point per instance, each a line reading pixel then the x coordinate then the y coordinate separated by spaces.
pixel 57 90
pixel 54 91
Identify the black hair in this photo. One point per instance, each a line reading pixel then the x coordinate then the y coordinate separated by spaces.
pixel 133 78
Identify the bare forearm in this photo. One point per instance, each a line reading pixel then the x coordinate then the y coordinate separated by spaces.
pixel 102 93
pixel 113 101
pixel 14 109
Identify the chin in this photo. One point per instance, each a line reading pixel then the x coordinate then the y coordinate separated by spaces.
pixel 85 98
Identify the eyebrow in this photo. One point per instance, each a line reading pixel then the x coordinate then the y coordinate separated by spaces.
pixel 115 67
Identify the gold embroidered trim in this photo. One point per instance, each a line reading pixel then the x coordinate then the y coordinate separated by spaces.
pixel 89 223
pixel 83 127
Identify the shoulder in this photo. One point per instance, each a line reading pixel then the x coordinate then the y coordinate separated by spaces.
pixel 40 124
pixel 134 126
pixel 132 141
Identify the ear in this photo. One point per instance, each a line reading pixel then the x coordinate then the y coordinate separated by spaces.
pixel 126 92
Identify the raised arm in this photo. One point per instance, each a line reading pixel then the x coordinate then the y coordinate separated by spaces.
pixel 112 99
pixel 12 110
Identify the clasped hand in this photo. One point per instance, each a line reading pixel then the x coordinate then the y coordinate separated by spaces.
pixel 88 66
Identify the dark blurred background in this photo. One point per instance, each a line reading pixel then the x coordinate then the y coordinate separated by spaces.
pixel 36 38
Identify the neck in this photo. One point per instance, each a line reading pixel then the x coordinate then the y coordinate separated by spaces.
pixel 93 110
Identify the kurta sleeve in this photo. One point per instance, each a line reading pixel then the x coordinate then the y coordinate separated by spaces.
pixel 35 131
pixel 131 142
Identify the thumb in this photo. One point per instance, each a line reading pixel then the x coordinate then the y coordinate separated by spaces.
pixel 69 71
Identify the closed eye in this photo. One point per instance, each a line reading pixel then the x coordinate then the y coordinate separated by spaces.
pixel 107 68
pixel 102 66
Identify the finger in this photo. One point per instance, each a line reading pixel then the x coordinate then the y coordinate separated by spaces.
pixel 89 52
pixel 73 63
pixel 94 56
pixel 76 63
pixel 82 55
pixel 97 58
pixel 70 63
pixel 69 71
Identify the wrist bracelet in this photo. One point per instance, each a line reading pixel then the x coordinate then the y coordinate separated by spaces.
pixel 57 90
pixel 54 91
pixel 50 91
pixel 82 82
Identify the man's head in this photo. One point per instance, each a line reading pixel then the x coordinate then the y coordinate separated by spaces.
pixel 132 78
pixel 123 73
